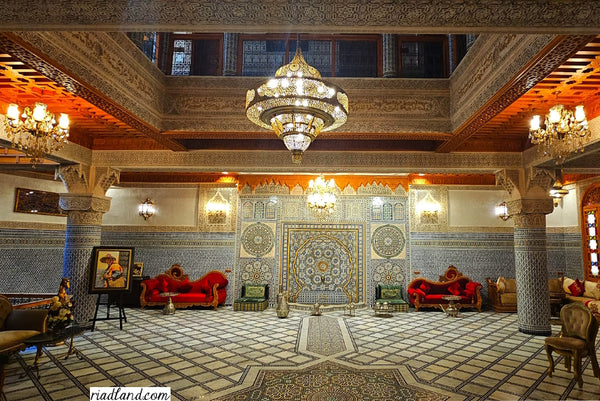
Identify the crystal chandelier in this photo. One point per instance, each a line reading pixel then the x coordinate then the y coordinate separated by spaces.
pixel 37 134
pixel 320 196
pixel 564 133
pixel 297 104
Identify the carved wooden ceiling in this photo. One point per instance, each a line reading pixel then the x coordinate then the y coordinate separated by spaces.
pixel 577 81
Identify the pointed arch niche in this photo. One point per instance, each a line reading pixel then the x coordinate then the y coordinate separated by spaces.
pixel 590 214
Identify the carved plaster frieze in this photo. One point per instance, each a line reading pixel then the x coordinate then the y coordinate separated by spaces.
pixel 334 16
pixel 374 189
pixel 84 218
pixel 272 188
pixel 217 105
pixel 530 206
pixel 84 202
pixel 312 162
pixel 531 220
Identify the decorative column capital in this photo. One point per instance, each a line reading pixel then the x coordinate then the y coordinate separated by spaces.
pixel 82 179
pixel 84 209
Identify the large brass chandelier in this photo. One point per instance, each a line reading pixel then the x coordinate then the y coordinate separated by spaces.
pixel 37 134
pixel 297 104
pixel 321 197
pixel 564 132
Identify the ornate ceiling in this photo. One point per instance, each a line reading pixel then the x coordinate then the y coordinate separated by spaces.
pixel 121 103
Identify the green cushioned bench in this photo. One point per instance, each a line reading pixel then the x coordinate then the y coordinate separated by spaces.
pixel 392 294
pixel 255 297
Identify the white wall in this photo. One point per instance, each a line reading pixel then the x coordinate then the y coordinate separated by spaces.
pixel 8 185
pixel 566 214
pixel 174 206
pixel 475 208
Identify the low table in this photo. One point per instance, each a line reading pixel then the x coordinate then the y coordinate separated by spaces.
pixel 383 309
pixel 452 308
pixel 169 308
pixel 51 338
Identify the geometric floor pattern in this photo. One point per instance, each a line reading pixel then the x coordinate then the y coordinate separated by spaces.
pixel 203 354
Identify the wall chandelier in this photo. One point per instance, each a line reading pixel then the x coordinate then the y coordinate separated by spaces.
pixel 428 209
pixel 564 132
pixel 37 135
pixel 146 209
pixel 217 208
pixel 321 197
pixel 297 105
pixel 502 211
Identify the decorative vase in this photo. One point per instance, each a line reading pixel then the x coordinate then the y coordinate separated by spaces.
pixel 283 309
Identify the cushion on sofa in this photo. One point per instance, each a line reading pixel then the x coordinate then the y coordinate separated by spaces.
pixel 508 298
pixel 185 286
pixel 425 287
pixel 566 283
pixel 413 291
pixel 506 285
pixel 577 288
pixel 391 292
pixel 254 291
pixel 454 289
pixel 471 288
pixel 591 289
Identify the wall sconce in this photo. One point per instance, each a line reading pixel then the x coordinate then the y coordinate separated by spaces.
pixel 502 211
pixel 557 192
pixel 217 208
pixel 428 209
pixel 146 209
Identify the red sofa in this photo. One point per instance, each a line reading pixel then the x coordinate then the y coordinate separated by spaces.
pixel 209 290
pixel 424 293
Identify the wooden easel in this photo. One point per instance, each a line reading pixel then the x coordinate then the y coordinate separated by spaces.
pixel 119 302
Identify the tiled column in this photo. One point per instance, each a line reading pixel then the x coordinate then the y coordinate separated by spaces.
pixel 85 204
pixel 529 204
pixel 390 56
pixel 533 297
pixel 230 52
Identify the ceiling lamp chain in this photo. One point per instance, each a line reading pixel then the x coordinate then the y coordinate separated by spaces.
pixel 297 105
pixel 37 135
pixel 564 133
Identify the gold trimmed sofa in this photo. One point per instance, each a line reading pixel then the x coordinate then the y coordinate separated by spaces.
pixel 424 293
pixel 208 290
pixel 503 293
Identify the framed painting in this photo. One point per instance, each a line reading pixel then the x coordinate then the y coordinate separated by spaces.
pixel 37 202
pixel 138 269
pixel 111 269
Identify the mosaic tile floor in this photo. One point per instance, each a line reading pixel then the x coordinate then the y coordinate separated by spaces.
pixel 207 355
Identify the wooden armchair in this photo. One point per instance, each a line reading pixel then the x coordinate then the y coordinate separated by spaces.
pixel 577 340
pixel 15 327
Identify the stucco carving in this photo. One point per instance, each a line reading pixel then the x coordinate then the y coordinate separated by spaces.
pixel 313 162
pixel 337 16
pixel 217 104
pixel 84 202
pixel 84 218
pixel 80 179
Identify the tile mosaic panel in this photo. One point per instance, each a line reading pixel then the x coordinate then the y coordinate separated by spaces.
pixel 388 241
pixel 258 240
pixel 323 262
